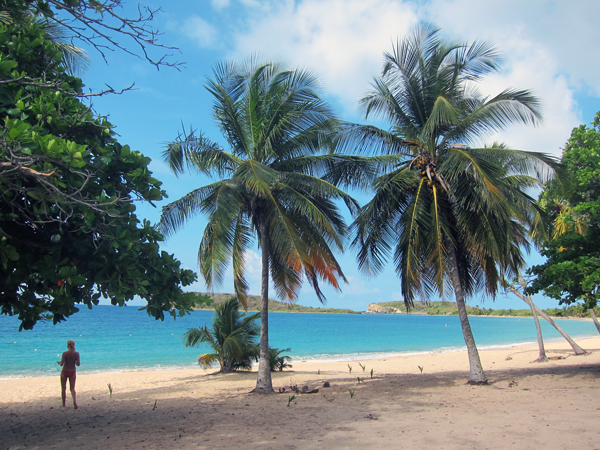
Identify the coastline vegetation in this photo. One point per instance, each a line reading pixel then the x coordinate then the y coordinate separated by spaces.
pixel 205 302
pixel 441 308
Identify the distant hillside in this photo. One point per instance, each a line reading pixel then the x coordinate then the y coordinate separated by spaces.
pixel 434 308
pixel 254 304
pixel 440 308
pixel 431 308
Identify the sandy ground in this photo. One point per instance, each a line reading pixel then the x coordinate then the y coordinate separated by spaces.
pixel 554 405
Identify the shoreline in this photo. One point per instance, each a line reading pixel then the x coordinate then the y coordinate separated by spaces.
pixel 589 319
pixel 553 405
pixel 344 358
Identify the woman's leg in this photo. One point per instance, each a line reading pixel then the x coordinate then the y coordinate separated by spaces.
pixel 63 386
pixel 72 386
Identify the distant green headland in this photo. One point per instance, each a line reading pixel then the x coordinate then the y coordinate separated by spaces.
pixel 442 308
pixel 434 308
pixel 254 304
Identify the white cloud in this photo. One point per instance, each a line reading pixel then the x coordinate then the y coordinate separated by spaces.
pixel 253 262
pixel 568 30
pixel 341 40
pixel 199 30
pixel 219 4
pixel 535 58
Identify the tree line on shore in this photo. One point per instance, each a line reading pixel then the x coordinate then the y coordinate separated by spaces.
pixel 208 301
pixel 442 308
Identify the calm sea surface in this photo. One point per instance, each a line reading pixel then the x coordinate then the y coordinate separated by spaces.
pixel 117 339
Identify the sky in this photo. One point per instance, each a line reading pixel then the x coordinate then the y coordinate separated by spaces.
pixel 547 46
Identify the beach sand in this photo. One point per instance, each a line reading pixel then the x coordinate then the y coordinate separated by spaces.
pixel 554 405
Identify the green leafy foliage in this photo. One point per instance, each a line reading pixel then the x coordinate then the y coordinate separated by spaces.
pixel 572 269
pixel 200 301
pixel 277 361
pixel 98 24
pixel 68 230
pixel 232 338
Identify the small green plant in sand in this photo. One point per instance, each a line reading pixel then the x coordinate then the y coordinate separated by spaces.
pixel 154 407
pixel 349 368
pixel 359 380
pixel 110 389
pixel 291 398
pixel 420 368
pixel 351 394
pixel 371 373
pixel 362 367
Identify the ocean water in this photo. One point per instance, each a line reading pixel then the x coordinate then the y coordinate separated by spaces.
pixel 117 339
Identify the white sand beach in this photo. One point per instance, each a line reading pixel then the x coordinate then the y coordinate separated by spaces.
pixel 553 405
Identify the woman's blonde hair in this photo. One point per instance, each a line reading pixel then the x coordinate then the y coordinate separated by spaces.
pixel 71 343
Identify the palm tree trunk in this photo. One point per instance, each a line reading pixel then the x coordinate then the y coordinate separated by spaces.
pixel 264 385
pixel 594 318
pixel 576 348
pixel 476 374
pixel 542 356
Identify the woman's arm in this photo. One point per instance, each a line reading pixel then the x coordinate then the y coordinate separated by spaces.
pixel 77 362
pixel 62 361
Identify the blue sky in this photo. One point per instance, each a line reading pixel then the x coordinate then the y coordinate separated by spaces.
pixel 548 47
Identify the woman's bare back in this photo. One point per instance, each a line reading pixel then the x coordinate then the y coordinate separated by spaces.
pixel 70 360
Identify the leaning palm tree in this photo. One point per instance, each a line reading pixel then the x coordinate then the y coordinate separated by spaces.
pixel 232 338
pixel 454 216
pixel 278 131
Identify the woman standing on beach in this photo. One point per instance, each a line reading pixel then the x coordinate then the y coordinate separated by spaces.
pixel 69 360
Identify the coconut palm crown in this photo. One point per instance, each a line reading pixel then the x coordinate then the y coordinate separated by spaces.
pixel 278 133
pixel 453 217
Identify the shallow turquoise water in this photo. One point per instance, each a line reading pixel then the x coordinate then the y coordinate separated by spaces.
pixel 115 339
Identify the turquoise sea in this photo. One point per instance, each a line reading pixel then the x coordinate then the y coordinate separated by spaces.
pixel 117 339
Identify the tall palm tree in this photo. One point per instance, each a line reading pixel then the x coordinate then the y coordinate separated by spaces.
pixel 278 131
pixel 453 216
pixel 232 338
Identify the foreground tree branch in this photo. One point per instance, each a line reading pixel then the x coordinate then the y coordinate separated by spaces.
pixel 103 25
pixel 69 235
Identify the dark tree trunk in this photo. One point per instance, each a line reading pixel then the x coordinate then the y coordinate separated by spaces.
pixel 594 318
pixel 264 385
pixel 476 374
pixel 576 348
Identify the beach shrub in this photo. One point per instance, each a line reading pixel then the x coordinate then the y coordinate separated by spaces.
pixel 232 338
pixel 277 361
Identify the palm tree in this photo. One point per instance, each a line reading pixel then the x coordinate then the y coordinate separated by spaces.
pixel 278 130
pixel 453 216
pixel 277 361
pixel 232 338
